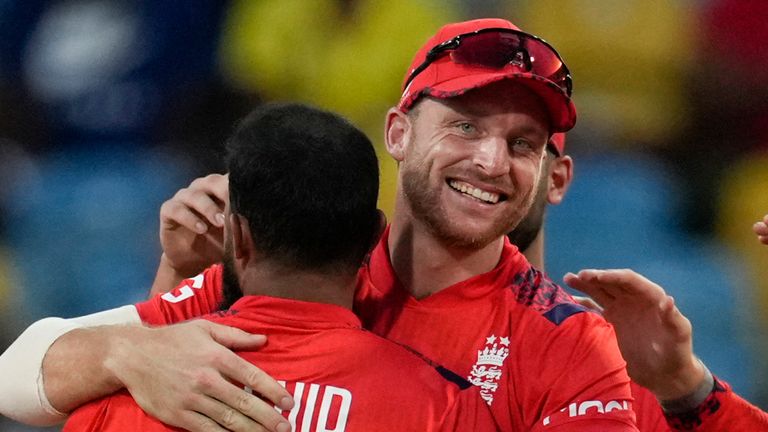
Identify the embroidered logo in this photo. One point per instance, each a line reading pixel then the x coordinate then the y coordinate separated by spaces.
pixel 486 372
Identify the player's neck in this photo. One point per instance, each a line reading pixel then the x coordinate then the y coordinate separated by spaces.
pixel 426 265
pixel 297 285
pixel 535 251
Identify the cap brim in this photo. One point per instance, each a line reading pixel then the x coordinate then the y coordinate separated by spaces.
pixel 562 111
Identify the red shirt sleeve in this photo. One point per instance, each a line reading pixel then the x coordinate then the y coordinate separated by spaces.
pixel 193 298
pixel 582 383
pixel 723 410
pixel 650 417
pixel 115 413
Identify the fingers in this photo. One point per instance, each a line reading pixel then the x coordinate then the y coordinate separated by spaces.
pixel 215 185
pixel 587 283
pixel 625 281
pixel 246 373
pixel 238 369
pixel 198 206
pixel 588 303
pixel 237 410
pixel 231 337
pixel 174 213
pixel 224 416
pixel 673 319
pixel 195 422
pixel 761 229
pixel 606 286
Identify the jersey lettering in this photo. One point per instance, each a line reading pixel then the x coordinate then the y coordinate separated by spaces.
pixel 335 403
pixel 185 291
pixel 578 409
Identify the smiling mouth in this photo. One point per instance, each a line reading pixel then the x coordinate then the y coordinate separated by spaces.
pixel 477 193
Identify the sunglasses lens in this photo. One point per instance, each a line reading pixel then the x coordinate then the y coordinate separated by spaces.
pixel 494 50
pixel 498 50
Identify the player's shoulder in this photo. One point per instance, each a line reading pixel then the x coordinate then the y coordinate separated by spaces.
pixel 538 293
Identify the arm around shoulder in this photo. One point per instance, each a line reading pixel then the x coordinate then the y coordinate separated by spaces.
pixel 24 391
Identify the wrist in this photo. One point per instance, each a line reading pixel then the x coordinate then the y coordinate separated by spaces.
pixel 681 381
pixel 119 343
pixel 169 266
pixel 167 277
pixel 694 397
pixel 74 369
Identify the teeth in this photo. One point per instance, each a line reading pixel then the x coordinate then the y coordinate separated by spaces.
pixel 489 197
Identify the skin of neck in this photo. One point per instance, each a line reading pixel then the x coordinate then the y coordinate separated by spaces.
pixel 424 264
pixel 257 274
pixel 535 251
pixel 273 280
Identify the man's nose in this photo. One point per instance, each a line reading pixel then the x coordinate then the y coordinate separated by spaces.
pixel 492 156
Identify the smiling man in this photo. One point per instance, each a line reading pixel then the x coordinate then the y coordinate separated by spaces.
pixel 470 141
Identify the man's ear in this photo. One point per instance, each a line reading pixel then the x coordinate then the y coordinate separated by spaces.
pixel 242 241
pixel 396 130
pixel 560 177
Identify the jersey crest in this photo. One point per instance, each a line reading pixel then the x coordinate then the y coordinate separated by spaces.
pixel 487 370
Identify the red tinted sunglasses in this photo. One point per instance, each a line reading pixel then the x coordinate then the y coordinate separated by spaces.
pixel 497 48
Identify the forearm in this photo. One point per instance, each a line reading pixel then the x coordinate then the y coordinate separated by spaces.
pixel 75 368
pixel 44 370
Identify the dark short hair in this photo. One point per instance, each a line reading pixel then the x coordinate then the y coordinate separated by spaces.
pixel 307 181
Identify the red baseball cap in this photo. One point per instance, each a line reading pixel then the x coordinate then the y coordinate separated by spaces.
pixel 444 78
pixel 558 141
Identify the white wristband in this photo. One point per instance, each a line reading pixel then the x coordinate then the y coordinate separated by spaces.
pixel 22 394
pixel 22 391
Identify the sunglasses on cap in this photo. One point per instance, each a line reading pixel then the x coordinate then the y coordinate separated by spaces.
pixel 497 48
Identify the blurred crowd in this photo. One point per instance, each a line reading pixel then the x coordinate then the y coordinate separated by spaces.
pixel 107 107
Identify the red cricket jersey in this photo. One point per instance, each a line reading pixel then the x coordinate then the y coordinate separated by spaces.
pixel 202 294
pixel 542 362
pixel 342 377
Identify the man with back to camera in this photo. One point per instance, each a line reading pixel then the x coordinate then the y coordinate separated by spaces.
pixel 290 269
pixel 466 128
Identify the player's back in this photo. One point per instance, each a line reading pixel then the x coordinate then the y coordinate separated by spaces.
pixel 341 377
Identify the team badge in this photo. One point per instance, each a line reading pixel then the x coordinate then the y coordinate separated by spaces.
pixel 486 372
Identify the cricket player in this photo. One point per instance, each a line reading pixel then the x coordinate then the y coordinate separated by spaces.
pixel 295 280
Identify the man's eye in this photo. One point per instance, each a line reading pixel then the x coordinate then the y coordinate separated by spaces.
pixel 467 128
pixel 521 145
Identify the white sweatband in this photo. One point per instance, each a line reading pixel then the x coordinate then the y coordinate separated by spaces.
pixel 22 391
pixel 121 315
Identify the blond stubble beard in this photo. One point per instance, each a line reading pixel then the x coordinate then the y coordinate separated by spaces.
pixel 426 208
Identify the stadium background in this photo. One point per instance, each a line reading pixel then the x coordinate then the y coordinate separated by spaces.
pixel 108 107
